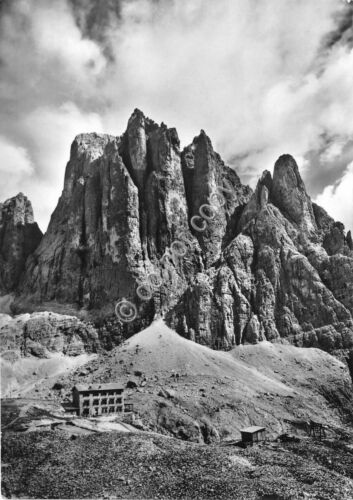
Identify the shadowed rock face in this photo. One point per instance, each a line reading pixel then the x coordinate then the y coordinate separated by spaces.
pixel 203 171
pixel 268 265
pixel 19 237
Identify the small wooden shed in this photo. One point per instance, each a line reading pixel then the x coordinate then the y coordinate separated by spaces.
pixel 316 429
pixel 253 434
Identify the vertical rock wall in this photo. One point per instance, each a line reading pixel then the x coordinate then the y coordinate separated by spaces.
pixel 251 266
pixel 19 237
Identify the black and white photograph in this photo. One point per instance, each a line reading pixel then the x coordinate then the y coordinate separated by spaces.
pixel 176 249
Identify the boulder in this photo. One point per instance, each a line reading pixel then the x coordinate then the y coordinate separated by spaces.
pixel 209 432
pixel 131 384
pixel 166 393
pixel 253 332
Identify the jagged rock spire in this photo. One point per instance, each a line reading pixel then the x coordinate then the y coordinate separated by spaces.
pixel 289 194
pixel 19 236
pixel 273 267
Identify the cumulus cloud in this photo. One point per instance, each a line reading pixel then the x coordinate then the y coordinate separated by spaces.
pixel 298 117
pixel 262 78
pixel 15 168
pixel 58 126
pixel 212 64
pixel 44 58
pixel 48 73
pixel 48 133
pixel 338 198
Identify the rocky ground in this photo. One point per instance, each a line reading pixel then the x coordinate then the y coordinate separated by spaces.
pixel 180 387
pixel 143 466
pixel 191 401
pixel 266 266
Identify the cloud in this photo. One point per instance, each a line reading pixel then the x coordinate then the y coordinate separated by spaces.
pixel 338 198
pixel 50 151
pixel 44 58
pixel 298 117
pixel 49 72
pixel 211 65
pixel 262 78
pixel 259 77
pixel 15 168
pixel 343 34
pixel 14 159
pixel 48 133
pixel 324 165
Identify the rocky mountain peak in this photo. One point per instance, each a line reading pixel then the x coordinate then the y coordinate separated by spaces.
pixel 141 144
pixel 202 140
pixel 138 119
pixel 137 112
pixel 289 194
pixel 232 266
pixel 203 137
pixel 286 168
pixel 91 145
pixel 266 179
pixel 18 209
pixel 263 190
pixel 19 236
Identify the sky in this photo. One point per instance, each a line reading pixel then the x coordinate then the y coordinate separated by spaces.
pixel 261 77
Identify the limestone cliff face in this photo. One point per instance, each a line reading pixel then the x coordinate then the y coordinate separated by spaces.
pixel 86 257
pixel 285 274
pixel 289 195
pixel 122 203
pixel 42 334
pixel 251 266
pixel 204 171
pixel 19 237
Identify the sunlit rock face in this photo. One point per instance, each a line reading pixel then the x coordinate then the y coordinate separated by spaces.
pixel 123 202
pixel 289 195
pixel 86 257
pixel 43 334
pixel 249 266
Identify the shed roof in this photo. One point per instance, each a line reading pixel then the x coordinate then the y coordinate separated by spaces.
pixel 253 429
pixel 98 387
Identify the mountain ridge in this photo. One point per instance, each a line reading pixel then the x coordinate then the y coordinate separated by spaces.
pixel 237 266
